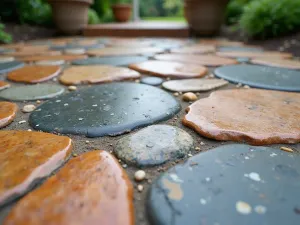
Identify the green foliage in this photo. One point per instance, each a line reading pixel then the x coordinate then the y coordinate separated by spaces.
pixel 270 18
pixel 235 9
pixel 103 9
pixel 4 37
pixel 93 17
pixel 34 12
pixel 120 2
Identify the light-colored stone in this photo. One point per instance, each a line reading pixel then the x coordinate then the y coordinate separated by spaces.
pixel 4 59
pixel 28 108
pixel 75 51
pixel 72 88
pixel 189 96
pixel 8 112
pixel 140 175
pixel 50 62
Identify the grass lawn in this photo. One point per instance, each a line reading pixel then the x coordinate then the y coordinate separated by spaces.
pixel 165 19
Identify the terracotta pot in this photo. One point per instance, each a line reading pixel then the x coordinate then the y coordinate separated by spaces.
pixel 122 12
pixel 205 17
pixel 70 16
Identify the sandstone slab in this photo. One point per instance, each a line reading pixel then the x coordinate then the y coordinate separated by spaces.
pixel 195 49
pixel 90 189
pixel 154 81
pixel 96 74
pixel 193 85
pixel 205 60
pixel 154 145
pixel 4 85
pixel 283 63
pixel 121 51
pixel 259 117
pixel 26 157
pixel 66 58
pixel 10 66
pixel 31 92
pixel 255 54
pixel 34 74
pixel 170 69
pixel 261 76
pixel 201 191
pixel 106 109
pixel 8 112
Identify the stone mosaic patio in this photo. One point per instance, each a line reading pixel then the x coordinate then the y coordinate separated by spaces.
pixel 128 109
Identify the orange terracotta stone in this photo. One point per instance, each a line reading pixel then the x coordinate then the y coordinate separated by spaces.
pixel 195 49
pixel 170 69
pixel 90 189
pixel 4 85
pixel 33 48
pixel 52 57
pixel 259 117
pixel 96 74
pixel 117 51
pixel 205 60
pixel 285 63
pixel 33 73
pixel 8 112
pixel 33 53
pixel 278 55
pixel 26 157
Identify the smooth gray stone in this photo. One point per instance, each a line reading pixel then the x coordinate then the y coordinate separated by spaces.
pixel 72 46
pixel 230 185
pixel 106 109
pixel 261 76
pixel 6 67
pixel 31 92
pixel 154 81
pixel 239 49
pixel 113 60
pixel 243 59
pixel 154 145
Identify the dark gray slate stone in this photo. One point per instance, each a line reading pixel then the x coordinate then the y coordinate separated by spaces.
pixel 114 60
pixel 31 92
pixel 230 185
pixel 261 76
pixel 107 109
pixel 10 66
pixel 154 81
pixel 154 145
pixel 239 49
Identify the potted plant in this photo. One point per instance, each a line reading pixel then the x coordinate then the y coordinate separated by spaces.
pixel 122 10
pixel 70 16
pixel 205 17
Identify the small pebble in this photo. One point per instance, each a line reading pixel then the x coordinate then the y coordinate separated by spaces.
pixel 211 76
pixel 137 81
pixel 176 94
pixel 197 148
pixel 286 149
pixel 139 175
pixel 189 96
pixel 239 85
pixel 22 121
pixel 87 142
pixel 74 154
pixel 246 86
pixel 28 108
pixel 38 102
pixel 29 130
pixel 190 155
pixel 124 165
pixel 140 188
pixel 202 143
pixel 72 88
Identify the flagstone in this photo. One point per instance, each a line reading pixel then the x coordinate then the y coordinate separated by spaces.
pixel 4 85
pixel 31 92
pixel 261 76
pixel 34 73
pixel 195 49
pixel 284 63
pixel 193 85
pixel 169 69
pixel 66 58
pixel 253 54
pixel 120 51
pixel 111 60
pixel 154 145
pixel 51 62
pixel 154 81
pixel 240 49
pixel 21 54
pixel 205 60
pixel 221 42
pixel 27 157
pixel 258 117
pixel 202 190
pixel 106 109
pixel 96 74
pixel 5 59
pixel 10 66
pixel 8 112
pixel 90 189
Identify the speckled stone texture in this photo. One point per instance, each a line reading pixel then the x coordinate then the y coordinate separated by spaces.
pixel 8 112
pixel 261 76
pixel 231 184
pixel 154 145
pixel 90 189
pixel 107 109
pixel 26 157
pixel 259 117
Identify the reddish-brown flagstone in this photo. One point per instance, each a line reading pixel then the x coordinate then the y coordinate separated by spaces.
pixel 34 73
pixel 259 117
pixel 278 55
pixel 51 57
pixel 8 112
pixel 91 189
pixel 170 69
pixel 27 156
pixel 4 85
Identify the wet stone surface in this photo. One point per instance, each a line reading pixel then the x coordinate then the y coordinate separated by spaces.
pixel 154 145
pixel 261 76
pixel 113 60
pixel 154 81
pixel 10 66
pixel 31 92
pixel 107 109
pixel 201 191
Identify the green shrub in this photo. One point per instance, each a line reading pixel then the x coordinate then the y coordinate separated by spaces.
pixel 4 37
pixel 270 18
pixel 93 17
pixel 234 10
